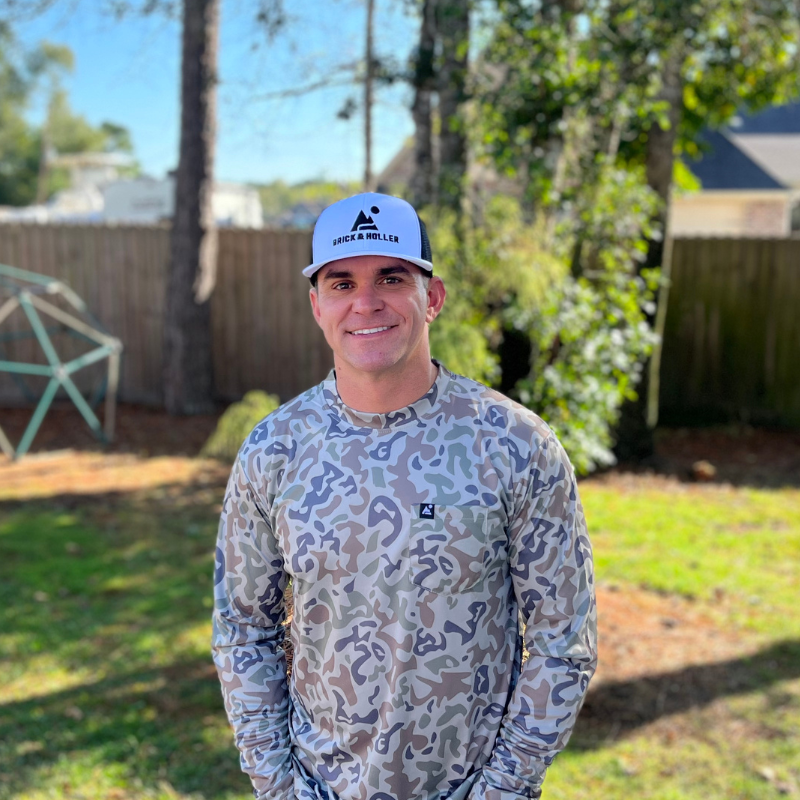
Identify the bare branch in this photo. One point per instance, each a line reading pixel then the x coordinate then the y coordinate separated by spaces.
pixel 342 75
pixel 18 10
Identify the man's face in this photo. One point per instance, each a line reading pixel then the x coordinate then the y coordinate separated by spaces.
pixel 374 312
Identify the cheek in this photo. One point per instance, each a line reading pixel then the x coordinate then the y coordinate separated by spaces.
pixel 328 312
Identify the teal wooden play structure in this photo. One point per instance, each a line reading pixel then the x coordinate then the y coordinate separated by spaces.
pixel 51 308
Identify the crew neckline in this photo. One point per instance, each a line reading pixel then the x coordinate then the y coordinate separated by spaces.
pixel 391 419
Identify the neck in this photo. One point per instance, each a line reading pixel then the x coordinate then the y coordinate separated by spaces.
pixel 379 393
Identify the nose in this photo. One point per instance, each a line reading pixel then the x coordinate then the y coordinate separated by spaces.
pixel 367 299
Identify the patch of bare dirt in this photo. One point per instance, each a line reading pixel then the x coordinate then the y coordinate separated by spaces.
pixel 142 430
pixel 641 633
pixel 77 473
pixel 738 455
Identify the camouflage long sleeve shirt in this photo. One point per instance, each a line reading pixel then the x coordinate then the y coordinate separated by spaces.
pixel 415 542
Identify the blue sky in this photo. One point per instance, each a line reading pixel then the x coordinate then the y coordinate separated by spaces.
pixel 128 72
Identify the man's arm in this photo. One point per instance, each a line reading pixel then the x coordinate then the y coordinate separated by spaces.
pixel 249 609
pixel 551 568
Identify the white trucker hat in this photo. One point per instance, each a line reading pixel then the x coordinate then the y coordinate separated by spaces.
pixel 369 224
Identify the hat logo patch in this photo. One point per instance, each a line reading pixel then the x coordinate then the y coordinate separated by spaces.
pixel 365 228
pixel 365 223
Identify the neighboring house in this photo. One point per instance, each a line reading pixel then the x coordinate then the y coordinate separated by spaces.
pixel 146 200
pixel 83 200
pixel 90 170
pixel 750 176
pixel 98 194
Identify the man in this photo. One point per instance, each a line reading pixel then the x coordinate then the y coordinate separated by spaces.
pixel 417 514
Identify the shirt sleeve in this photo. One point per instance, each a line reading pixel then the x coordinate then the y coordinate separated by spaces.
pixel 552 572
pixel 248 631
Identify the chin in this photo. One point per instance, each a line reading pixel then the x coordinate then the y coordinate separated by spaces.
pixel 366 361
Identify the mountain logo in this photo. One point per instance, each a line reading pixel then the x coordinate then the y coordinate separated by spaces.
pixel 365 223
pixel 427 511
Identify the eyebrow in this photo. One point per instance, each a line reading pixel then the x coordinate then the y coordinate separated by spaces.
pixel 337 275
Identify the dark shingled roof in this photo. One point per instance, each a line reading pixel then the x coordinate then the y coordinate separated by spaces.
pixel 724 166
pixel 776 119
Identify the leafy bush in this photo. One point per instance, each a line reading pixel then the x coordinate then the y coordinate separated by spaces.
pixel 590 343
pixel 487 268
pixel 236 423
pixel 575 295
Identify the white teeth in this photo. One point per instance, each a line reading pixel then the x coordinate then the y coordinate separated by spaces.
pixel 370 330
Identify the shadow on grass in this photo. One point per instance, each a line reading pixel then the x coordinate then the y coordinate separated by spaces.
pixel 117 588
pixel 617 709
pixel 110 585
pixel 166 724
pixel 114 577
pixel 158 725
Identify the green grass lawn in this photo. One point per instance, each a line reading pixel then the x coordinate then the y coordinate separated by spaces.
pixel 736 549
pixel 107 689
pixel 737 552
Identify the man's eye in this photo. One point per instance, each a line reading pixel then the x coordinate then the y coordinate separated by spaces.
pixel 341 285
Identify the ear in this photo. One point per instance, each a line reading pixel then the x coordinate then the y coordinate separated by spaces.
pixel 436 298
pixel 313 295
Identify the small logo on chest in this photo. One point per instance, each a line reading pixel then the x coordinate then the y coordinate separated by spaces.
pixel 427 511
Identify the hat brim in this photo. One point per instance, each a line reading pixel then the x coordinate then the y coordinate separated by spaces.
pixel 420 262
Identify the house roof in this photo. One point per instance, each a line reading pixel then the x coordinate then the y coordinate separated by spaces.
pixel 778 154
pixel 776 119
pixel 755 151
pixel 725 166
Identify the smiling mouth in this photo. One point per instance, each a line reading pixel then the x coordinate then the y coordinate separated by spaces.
pixel 365 331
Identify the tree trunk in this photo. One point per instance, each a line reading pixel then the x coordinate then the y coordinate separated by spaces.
pixel 562 149
pixel 453 27
pixel 422 183
pixel 368 84
pixel 188 379
pixel 635 440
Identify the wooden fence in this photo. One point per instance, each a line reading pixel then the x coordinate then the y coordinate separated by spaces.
pixel 732 344
pixel 732 338
pixel 264 336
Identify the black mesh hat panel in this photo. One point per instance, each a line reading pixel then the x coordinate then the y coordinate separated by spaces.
pixel 426 242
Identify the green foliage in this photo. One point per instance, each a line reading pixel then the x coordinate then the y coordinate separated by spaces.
pixel 683 181
pixel 592 336
pixel 591 342
pixel 588 330
pixel 278 197
pixel 488 268
pixel 236 423
pixel 566 100
pixel 19 158
pixel 587 85
pixel 72 133
pixel 22 76
pixel 19 144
